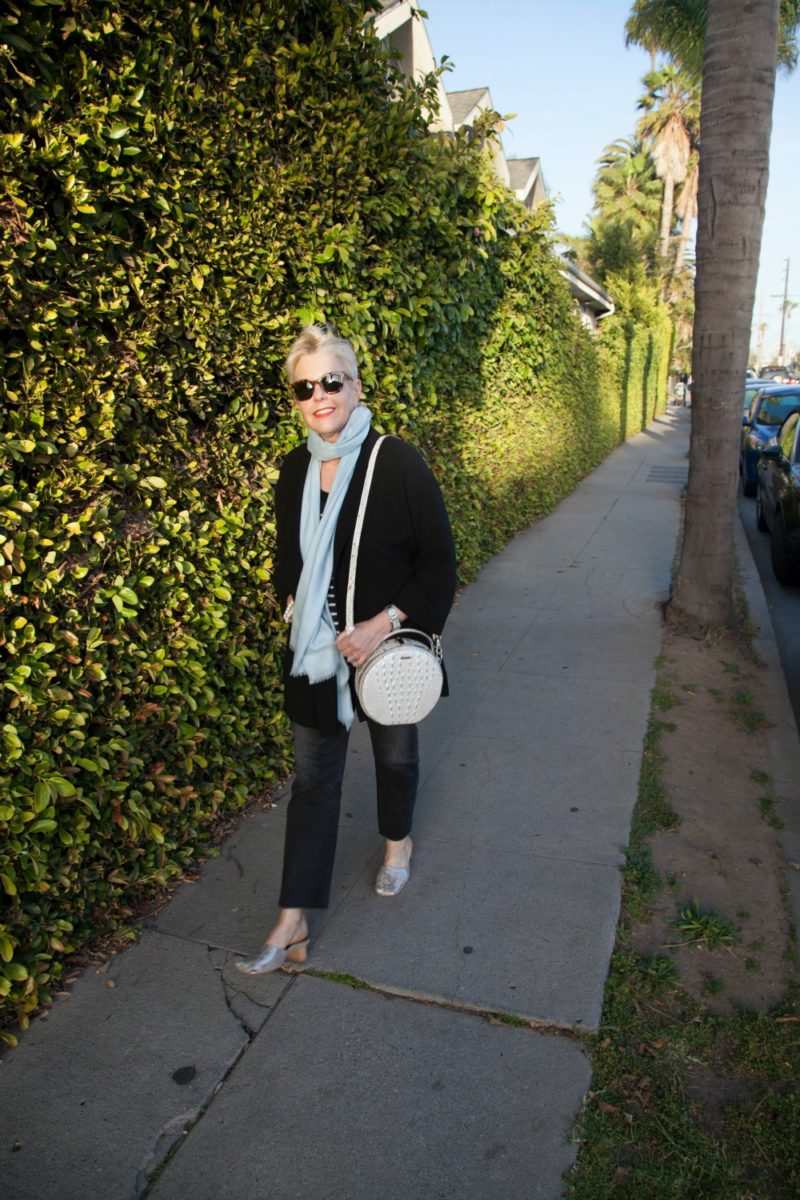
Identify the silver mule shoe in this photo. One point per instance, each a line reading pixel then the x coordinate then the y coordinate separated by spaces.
pixel 391 880
pixel 272 958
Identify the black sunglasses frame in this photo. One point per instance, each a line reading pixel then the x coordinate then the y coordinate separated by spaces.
pixel 303 389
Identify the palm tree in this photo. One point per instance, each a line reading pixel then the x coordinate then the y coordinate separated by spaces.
pixel 626 188
pixel 623 226
pixel 669 128
pixel 677 27
pixel 740 51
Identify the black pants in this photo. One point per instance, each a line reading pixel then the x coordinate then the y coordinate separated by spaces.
pixel 312 818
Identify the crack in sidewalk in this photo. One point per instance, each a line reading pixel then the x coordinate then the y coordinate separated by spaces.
pixel 238 999
pixel 170 1139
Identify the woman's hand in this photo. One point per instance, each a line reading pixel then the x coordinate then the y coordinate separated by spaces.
pixel 359 643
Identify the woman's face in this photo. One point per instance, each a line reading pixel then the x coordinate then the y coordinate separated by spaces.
pixel 326 412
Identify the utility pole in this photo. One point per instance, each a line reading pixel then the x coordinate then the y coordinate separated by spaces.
pixel 784 308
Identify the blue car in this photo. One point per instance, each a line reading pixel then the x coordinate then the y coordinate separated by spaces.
pixel 769 409
pixel 751 386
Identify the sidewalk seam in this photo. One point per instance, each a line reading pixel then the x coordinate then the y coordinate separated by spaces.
pixel 495 1016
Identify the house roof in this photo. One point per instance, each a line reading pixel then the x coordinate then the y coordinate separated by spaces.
pixel 462 103
pixel 521 171
pixel 526 179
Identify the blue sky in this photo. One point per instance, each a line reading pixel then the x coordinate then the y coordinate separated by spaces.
pixel 563 68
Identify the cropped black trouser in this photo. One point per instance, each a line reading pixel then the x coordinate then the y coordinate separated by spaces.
pixel 312 818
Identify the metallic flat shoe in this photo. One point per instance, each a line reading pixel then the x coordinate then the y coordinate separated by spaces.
pixel 391 880
pixel 273 957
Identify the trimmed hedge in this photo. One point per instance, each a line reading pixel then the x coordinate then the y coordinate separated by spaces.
pixel 183 187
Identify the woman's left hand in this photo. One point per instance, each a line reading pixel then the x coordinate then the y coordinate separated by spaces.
pixel 358 644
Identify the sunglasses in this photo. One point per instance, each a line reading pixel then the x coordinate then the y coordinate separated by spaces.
pixel 333 382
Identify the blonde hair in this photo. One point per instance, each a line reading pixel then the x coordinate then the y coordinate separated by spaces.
pixel 321 337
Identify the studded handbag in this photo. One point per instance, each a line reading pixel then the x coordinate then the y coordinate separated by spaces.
pixel 401 680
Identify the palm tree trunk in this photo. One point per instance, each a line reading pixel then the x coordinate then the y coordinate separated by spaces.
pixel 689 214
pixel 736 122
pixel 667 205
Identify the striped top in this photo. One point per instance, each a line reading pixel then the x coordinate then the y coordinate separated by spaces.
pixel 323 496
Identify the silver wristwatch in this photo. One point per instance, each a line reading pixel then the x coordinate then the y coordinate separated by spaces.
pixel 394 617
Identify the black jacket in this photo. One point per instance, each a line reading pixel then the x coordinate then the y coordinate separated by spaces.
pixel 406 556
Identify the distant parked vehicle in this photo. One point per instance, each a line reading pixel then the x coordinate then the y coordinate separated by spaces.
pixel 778 498
pixel 753 385
pixel 778 374
pixel 769 408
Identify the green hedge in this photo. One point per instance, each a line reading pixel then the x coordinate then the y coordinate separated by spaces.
pixel 183 187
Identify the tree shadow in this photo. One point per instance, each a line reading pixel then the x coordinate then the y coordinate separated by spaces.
pixel 626 382
pixel 648 367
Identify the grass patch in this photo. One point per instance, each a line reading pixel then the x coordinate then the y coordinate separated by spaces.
pixel 636 978
pixel 685 1104
pixel 664 699
pixel 501 1018
pixel 641 881
pixel 653 811
pixel 351 981
pixel 767 801
pixel 766 806
pixel 708 930
pixel 743 712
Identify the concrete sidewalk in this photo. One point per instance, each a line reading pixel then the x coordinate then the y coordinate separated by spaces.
pixel 172 1074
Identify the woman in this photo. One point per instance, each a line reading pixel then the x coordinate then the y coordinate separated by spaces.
pixel 406 575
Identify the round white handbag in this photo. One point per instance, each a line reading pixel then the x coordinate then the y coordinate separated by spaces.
pixel 401 680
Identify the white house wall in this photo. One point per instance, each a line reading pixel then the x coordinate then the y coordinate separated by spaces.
pixel 409 36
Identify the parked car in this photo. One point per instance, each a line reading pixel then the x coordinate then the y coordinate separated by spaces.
pixel 778 498
pixel 769 408
pixel 751 386
pixel 778 374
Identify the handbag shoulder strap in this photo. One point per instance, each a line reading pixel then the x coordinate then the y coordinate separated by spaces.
pixel 362 508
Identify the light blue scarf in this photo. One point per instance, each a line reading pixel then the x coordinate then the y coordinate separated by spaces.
pixel 313 632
